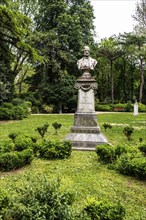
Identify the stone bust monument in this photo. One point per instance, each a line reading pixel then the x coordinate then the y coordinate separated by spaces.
pixel 86 63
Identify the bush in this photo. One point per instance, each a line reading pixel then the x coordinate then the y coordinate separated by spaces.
pixel 26 105
pixel 119 107
pixel 13 160
pixel 119 150
pixel 107 125
pixel 22 142
pixel 103 107
pixel 132 165
pixel 103 210
pixel 55 149
pixel 142 148
pixel 18 113
pixel 43 129
pixel 17 101
pixel 13 135
pixel 56 126
pixel 141 107
pixel 129 107
pixel 25 157
pixel 6 147
pixel 128 131
pixel 9 161
pixel 8 111
pixel 106 153
pixel 4 200
pixel 40 200
pixel 48 108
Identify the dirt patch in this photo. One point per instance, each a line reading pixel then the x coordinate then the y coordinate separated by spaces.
pixel 7 122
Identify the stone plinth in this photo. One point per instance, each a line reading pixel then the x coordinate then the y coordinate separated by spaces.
pixel 85 133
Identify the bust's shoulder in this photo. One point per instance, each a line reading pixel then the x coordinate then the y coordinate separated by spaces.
pixel 90 58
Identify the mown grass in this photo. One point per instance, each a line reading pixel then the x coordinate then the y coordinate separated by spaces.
pixel 114 135
pixel 82 173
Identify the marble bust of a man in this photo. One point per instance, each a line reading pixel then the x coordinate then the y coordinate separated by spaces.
pixel 86 62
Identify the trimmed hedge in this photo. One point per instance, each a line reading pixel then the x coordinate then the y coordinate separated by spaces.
pixel 142 148
pixel 55 149
pixel 119 107
pixel 132 165
pixel 124 159
pixel 106 153
pixel 13 160
pixel 21 150
pixel 22 142
pixel 103 210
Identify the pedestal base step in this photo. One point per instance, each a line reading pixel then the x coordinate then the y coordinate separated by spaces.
pixel 86 130
pixel 84 148
pixel 86 141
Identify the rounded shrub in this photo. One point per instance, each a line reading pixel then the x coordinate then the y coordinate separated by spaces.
pixel 22 142
pixel 103 210
pixel 132 165
pixel 142 148
pixel 141 107
pixel 7 146
pixel 13 160
pixel 25 157
pixel 106 153
pixel 18 112
pixel 55 149
pixel 139 167
pixel 6 113
pixel 103 107
pixel 13 135
pixel 129 107
pixel 119 150
pixel 9 161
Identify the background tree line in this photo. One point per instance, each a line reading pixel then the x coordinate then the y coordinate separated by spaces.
pixel 41 41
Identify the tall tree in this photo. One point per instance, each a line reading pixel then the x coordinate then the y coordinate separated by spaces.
pixel 14 36
pixel 109 49
pixel 140 17
pixel 62 28
pixel 136 45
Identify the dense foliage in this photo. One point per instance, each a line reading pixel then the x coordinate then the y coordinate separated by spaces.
pixel 126 160
pixel 21 150
pixel 39 199
pixel 41 41
pixel 103 210
pixel 14 111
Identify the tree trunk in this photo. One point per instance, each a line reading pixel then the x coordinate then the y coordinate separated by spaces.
pixel 141 80
pixel 112 82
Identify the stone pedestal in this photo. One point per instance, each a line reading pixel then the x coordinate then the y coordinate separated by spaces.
pixel 85 133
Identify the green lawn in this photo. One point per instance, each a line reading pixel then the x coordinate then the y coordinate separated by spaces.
pixel 82 173
pixel 114 135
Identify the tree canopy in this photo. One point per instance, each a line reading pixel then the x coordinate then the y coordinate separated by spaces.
pixel 41 41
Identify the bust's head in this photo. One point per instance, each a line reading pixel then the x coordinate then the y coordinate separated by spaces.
pixel 86 50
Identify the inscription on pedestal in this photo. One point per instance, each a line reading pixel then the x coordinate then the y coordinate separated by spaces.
pixel 86 101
